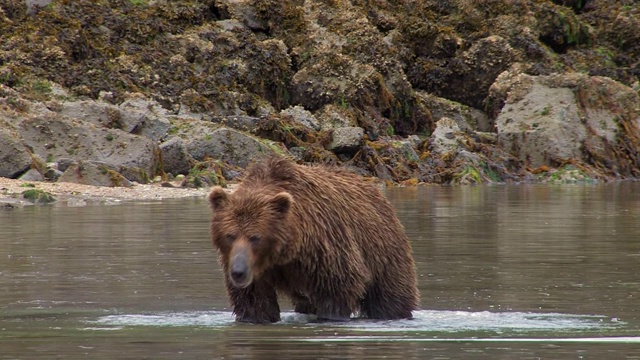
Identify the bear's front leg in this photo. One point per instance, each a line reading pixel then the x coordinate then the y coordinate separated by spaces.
pixel 257 303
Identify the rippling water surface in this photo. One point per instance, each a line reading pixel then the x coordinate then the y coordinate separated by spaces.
pixel 504 272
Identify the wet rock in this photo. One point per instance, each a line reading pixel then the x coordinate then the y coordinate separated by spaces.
pixel 53 137
pixel 14 158
pixel 346 139
pixel 94 173
pixel 231 146
pixel 175 158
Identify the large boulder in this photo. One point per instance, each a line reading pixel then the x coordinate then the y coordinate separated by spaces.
pixel 14 158
pixel 234 147
pixel 53 137
pixel 555 119
pixel 94 173
pixel 175 158
pixel 136 115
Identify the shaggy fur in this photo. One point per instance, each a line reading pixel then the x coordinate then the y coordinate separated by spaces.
pixel 320 235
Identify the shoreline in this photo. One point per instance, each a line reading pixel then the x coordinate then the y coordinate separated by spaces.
pixel 72 194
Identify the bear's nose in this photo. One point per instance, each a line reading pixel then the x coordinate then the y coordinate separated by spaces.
pixel 238 272
pixel 239 269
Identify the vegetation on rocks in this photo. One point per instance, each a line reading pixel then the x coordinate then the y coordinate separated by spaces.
pixel 202 87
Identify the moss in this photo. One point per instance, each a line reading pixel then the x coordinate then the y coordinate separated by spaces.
pixel 468 175
pixel 38 196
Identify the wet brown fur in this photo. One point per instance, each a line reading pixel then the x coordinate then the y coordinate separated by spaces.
pixel 320 235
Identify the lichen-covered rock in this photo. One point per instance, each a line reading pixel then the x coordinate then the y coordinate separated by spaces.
pixel 445 137
pixel 552 120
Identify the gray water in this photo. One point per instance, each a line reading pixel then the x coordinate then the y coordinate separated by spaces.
pixel 505 272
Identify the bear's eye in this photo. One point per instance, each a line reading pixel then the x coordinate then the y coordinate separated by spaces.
pixel 254 239
pixel 229 238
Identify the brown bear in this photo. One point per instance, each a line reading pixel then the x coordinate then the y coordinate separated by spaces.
pixel 319 234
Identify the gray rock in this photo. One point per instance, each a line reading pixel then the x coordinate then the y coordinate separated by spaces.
pixel 34 5
pixel 245 11
pixel 52 174
pixel 32 175
pixel 64 163
pixel 234 147
pixel 333 116
pixel 238 122
pixel 445 136
pixel 14 158
pixel 346 139
pixel 51 137
pixel 542 127
pixel 302 117
pixel 549 120
pixel 175 158
pixel 468 118
pixel 136 116
pixel 94 173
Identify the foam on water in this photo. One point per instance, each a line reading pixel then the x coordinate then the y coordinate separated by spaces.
pixel 424 321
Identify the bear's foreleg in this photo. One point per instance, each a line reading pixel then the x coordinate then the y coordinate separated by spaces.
pixel 257 303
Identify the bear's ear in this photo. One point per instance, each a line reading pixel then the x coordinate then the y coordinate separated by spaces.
pixel 282 202
pixel 218 198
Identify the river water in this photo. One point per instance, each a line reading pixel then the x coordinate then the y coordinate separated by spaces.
pixel 519 271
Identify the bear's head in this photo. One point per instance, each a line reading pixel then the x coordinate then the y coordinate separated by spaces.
pixel 251 231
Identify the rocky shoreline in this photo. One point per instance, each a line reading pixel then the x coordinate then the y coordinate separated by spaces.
pixel 15 193
pixel 132 94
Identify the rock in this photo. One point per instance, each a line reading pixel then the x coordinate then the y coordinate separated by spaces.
pixel 346 139
pixel 333 116
pixel 54 137
pixel 238 122
pixel 302 116
pixel 231 146
pixel 94 173
pixel 466 79
pixel 52 174
pixel 137 116
pixel 34 5
pixel 467 118
pixel 14 158
pixel 175 158
pixel 245 11
pixel 32 175
pixel 414 141
pixel 445 136
pixel 549 120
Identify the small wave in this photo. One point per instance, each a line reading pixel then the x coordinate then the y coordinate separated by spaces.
pixel 423 321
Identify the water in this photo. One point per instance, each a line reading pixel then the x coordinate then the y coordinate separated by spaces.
pixel 505 272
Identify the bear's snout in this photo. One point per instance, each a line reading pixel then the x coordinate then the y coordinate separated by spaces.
pixel 239 271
